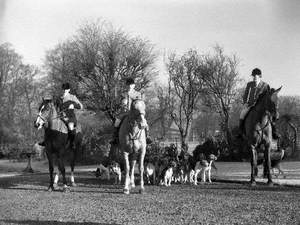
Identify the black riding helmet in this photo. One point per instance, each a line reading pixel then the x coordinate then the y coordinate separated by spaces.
pixel 256 71
pixel 66 86
pixel 130 81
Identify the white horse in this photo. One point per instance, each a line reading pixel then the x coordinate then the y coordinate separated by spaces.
pixel 132 139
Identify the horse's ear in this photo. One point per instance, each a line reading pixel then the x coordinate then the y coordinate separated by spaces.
pixel 278 89
pixel 274 94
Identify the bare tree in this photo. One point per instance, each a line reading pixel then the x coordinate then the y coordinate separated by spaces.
pixel 157 111
pixel 97 60
pixel 17 96
pixel 289 122
pixel 29 98
pixel 220 77
pixel 185 88
pixel 10 63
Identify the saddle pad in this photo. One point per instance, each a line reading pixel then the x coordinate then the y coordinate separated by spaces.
pixel 60 126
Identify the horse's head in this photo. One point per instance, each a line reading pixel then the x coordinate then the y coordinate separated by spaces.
pixel 269 100
pixel 138 109
pixel 272 103
pixel 45 112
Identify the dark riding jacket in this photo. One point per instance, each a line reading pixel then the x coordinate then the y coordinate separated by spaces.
pixel 252 92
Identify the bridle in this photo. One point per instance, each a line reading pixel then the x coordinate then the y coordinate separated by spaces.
pixel 60 115
pixel 134 123
pixel 269 121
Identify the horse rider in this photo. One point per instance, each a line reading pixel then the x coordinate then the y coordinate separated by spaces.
pixel 69 103
pixel 253 89
pixel 126 100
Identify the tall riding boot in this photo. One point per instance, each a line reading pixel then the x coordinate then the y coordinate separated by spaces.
pixel 72 134
pixel 115 137
pixel 148 138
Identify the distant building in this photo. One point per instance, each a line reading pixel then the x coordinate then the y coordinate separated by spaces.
pixel 173 136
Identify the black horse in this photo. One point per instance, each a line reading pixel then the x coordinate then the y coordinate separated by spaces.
pixel 258 130
pixel 56 140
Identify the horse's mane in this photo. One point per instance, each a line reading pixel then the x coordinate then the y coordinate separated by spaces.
pixel 261 96
pixel 56 101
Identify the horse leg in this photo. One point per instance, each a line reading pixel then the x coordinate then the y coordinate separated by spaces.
pixel 127 168
pixel 142 157
pixel 132 184
pixel 62 170
pixel 56 179
pixel 280 171
pixel 253 165
pixel 154 177
pixel 72 165
pixel 50 161
pixel 268 163
pixel 203 175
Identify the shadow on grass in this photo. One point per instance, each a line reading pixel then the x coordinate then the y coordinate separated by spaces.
pixel 39 222
pixel 86 183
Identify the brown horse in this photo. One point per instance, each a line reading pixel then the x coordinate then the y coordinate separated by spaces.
pixel 56 141
pixel 132 139
pixel 258 130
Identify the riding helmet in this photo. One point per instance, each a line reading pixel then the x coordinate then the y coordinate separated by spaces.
pixel 256 71
pixel 130 81
pixel 66 86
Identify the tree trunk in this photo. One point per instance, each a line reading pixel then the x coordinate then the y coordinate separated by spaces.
pixel 184 144
pixel 185 137
pixel 296 152
pixel 225 128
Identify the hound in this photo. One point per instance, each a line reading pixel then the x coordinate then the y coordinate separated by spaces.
pixel 150 171
pixel 191 176
pixel 204 167
pixel 103 172
pixel 167 174
pixel 116 171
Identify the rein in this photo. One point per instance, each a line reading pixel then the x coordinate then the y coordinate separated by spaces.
pixel 262 128
pixel 134 136
pixel 134 123
pixel 59 115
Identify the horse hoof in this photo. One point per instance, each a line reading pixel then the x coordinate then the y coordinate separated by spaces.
pixel 73 184
pixel 270 184
pixel 142 190
pixel 253 183
pixel 126 191
pixel 55 186
pixel 50 188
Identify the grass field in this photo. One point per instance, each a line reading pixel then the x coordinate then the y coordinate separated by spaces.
pixel 24 200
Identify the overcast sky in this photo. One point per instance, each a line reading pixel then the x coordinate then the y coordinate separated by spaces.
pixel 262 33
